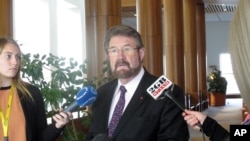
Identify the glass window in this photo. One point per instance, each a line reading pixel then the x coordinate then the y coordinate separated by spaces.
pixel 51 26
pixel 227 72
pixel 45 26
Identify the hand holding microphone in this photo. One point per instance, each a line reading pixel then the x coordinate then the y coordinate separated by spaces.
pixel 85 97
pixel 193 118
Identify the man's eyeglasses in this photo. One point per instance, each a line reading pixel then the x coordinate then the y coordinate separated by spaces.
pixel 125 50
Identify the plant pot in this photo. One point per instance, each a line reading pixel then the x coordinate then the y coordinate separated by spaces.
pixel 217 99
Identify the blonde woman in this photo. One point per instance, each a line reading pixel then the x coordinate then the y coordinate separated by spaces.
pixel 22 110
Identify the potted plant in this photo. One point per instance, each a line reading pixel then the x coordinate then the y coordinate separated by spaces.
pixel 59 80
pixel 217 86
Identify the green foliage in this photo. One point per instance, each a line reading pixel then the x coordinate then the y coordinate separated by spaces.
pixel 63 80
pixel 75 131
pixel 216 83
pixel 59 79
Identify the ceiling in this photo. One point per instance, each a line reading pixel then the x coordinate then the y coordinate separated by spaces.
pixel 219 10
pixel 215 11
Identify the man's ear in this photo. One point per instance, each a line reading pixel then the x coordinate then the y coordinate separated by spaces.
pixel 142 53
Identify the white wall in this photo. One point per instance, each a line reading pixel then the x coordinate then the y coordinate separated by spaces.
pixel 216 44
pixel 216 41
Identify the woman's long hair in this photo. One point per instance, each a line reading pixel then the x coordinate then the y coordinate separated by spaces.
pixel 17 81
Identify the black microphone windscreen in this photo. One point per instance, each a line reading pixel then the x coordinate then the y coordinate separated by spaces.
pixel 101 137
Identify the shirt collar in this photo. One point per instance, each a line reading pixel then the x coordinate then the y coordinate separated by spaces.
pixel 132 85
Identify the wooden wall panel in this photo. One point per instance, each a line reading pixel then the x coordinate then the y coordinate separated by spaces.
pixel 6 16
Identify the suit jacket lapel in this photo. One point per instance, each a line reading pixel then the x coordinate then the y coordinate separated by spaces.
pixel 105 101
pixel 138 98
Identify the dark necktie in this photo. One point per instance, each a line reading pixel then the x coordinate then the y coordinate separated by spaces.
pixel 117 112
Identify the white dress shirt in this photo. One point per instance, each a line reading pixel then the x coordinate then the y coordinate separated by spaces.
pixel 131 86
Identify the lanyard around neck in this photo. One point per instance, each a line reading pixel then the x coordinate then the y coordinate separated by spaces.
pixel 5 119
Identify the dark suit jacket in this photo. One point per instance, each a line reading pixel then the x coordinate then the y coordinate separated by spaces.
pixel 144 119
pixel 36 120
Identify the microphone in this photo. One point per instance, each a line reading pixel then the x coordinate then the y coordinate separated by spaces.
pixel 168 93
pixel 84 97
pixel 161 84
pixel 162 88
pixel 101 137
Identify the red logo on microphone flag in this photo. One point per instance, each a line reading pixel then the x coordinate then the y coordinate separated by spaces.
pixel 161 84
